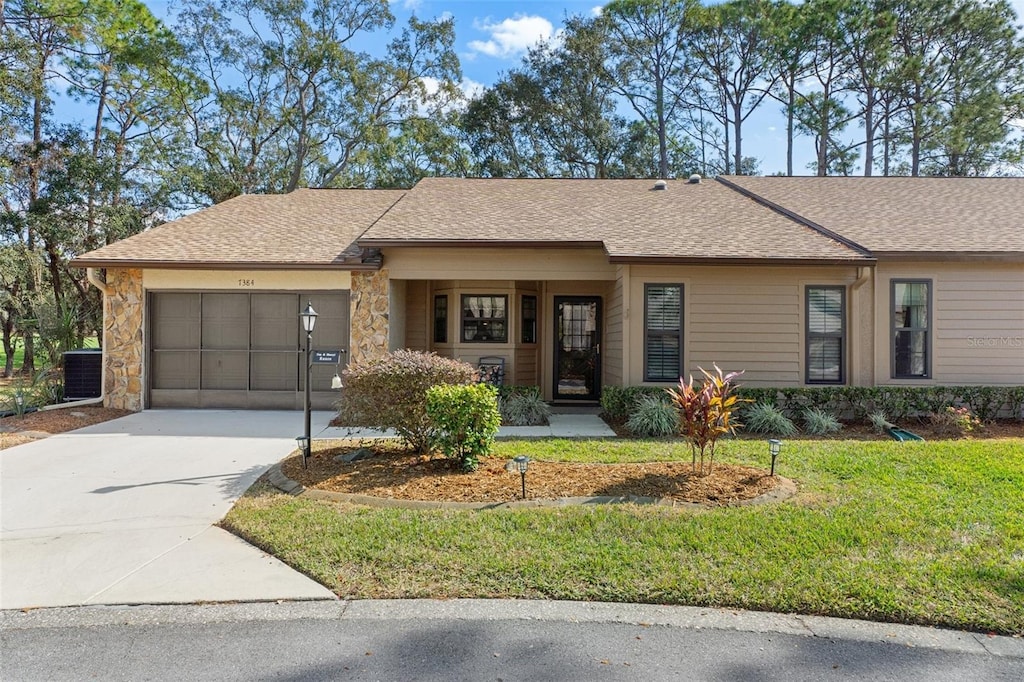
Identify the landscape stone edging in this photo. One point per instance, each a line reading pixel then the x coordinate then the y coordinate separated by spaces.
pixel 784 490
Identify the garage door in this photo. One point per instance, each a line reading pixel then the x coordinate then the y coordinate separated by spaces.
pixel 241 350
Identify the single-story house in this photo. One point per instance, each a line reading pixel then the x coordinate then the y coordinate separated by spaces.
pixel 572 285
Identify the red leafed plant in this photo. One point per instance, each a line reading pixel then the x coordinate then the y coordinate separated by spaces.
pixel 705 413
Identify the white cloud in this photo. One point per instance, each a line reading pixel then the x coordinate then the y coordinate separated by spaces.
pixel 412 5
pixel 597 11
pixel 511 37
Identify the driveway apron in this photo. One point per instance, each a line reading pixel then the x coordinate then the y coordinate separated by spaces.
pixel 123 512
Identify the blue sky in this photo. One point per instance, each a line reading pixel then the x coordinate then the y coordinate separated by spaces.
pixel 492 36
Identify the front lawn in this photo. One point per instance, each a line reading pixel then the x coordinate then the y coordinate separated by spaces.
pixel 929 533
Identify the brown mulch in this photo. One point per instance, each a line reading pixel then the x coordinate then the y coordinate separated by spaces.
pixel 398 475
pixel 34 425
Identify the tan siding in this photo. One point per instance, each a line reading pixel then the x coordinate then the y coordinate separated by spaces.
pixel 498 263
pixel 977 323
pixel 417 315
pixel 247 280
pixel 527 370
pixel 748 319
pixel 612 351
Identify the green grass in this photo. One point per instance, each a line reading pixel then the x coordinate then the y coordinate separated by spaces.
pixel 929 533
pixel 19 351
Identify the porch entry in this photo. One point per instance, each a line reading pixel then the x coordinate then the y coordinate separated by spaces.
pixel 577 348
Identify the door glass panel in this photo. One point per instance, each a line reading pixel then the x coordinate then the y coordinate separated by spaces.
pixel 577 367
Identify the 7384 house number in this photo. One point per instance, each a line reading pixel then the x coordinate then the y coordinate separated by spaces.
pixel 246 282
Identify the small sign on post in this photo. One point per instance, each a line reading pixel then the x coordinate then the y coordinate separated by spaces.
pixel 326 357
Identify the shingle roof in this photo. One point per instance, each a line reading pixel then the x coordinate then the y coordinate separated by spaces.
pixel 305 228
pixel 906 216
pixel 631 219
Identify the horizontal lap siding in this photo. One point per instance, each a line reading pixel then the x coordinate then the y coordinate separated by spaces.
pixel 740 318
pixel 977 325
pixel 526 367
pixel 739 327
pixel 612 355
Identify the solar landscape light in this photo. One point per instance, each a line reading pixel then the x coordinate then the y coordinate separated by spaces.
pixel 774 446
pixel 522 463
pixel 303 442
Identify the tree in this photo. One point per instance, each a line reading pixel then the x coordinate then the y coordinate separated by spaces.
pixel 289 103
pixel 731 43
pixel 649 64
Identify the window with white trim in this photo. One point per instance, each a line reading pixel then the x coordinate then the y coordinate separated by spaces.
pixel 826 334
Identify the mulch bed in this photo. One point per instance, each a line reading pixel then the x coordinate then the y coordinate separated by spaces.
pixel 394 474
pixel 34 425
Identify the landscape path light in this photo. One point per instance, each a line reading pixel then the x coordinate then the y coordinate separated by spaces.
pixel 308 317
pixel 522 464
pixel 774 446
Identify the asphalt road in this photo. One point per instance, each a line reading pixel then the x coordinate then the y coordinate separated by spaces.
pixel 318 642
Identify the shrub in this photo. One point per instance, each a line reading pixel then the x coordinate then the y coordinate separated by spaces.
pixel 619 402
pixel 766 418
pixel 466 418
pixel 705 414
pixel 954 421
pixel 820 423
pixel 523 409
pixel 653 417
pixel 879 422
pixel 390 392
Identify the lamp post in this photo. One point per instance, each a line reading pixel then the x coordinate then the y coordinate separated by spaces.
pixel 522 463
pixel 308 317
pixel 773 449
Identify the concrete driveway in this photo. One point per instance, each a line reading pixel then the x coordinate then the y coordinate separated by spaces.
pixel 123 512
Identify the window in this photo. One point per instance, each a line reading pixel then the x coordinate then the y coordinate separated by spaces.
pixel 826 335
pixel 911 325
pixel 485 319
pixel 663 332
pixel 441 319
pixel 529 311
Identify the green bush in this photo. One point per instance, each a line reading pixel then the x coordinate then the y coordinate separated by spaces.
pixel 390 392
pixel 465 418
pixel 653 417
pixel 769 419
pixel 954 421
pixel 619 402
pixel 523 408
pixel 818 422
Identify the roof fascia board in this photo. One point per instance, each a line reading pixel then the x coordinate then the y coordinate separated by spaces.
pixel 952 256
pixel 218 265
pixel 711 260
pixel 479 243
pixel 824 231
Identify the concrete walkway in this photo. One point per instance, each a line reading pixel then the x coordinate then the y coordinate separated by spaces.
pixel 123 512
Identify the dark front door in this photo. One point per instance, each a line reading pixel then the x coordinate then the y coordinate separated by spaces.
pixel 577 348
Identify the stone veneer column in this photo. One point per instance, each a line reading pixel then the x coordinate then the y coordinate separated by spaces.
pixel 122 340
pixel 369 302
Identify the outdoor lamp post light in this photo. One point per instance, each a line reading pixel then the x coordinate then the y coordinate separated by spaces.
pixel 522 462
pixel 308 317
pixel 773 447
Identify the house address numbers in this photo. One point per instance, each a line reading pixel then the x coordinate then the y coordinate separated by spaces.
pixel 246 282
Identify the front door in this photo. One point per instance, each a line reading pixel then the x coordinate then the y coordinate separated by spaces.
pixel 577 348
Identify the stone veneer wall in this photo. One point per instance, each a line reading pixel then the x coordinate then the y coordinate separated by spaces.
pixel 369 300
pixel 123 309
